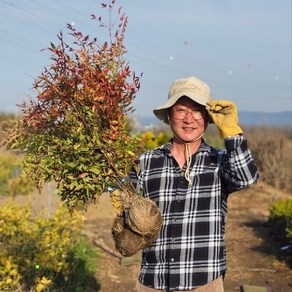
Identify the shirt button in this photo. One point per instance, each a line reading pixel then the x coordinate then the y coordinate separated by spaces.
pixel 172 259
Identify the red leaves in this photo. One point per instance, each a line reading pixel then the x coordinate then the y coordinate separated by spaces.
pixel 43 95
pixel 104 47
pixel 128 87
pixel 125 72
pixel 78 34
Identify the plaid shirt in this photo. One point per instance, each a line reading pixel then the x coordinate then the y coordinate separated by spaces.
pixel 190 250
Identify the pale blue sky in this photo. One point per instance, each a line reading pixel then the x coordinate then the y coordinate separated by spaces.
pixel 241 48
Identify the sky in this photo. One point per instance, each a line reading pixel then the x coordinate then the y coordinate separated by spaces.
pixel 240 48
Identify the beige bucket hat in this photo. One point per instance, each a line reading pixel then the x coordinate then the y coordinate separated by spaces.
pixel 192 87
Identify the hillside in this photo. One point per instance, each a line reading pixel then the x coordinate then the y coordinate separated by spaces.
pixel 248 118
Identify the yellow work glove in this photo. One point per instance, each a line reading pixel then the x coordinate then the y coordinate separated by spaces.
pixel 117 198
pixel 224 115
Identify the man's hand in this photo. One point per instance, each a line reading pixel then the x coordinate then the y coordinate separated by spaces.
pixel 224 115
pixel 117 198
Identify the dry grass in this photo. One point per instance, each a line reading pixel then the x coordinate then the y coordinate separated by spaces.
pixel 272 151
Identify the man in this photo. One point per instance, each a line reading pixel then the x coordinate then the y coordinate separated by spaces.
pixel 190 182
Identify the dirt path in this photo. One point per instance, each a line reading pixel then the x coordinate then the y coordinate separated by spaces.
pixel 249 247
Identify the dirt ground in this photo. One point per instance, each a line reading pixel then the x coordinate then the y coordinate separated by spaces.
pixel 251 253
pixel 250 250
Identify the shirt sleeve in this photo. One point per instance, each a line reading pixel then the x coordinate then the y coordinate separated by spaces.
pixel 238 169
pixel 135 175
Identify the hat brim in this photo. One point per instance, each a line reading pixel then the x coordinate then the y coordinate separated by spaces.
pixel 162 111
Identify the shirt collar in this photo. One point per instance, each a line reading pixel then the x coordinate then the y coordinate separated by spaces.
pixel 204 147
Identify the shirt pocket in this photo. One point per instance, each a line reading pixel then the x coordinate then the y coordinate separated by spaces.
pixel 206 178
pixel 207 189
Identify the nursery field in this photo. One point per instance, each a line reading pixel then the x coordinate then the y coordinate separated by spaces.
pixel 253 258
pixel 74 130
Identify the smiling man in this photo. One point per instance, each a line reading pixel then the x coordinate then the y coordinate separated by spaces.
pixel 190 182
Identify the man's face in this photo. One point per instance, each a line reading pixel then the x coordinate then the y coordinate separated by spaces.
pixel 188 119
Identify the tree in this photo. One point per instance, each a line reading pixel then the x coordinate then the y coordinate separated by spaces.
pixel 74 131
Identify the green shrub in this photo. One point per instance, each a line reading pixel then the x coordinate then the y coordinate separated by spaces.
pixel 12 180
pixel 9 164
pixel 82 259
pixel 44 252
pixel 281 221
pixel 213 138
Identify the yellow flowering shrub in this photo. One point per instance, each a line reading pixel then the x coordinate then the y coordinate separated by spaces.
pixel 150 140
pixel 43 283
pixel 39 253
pixel 9 276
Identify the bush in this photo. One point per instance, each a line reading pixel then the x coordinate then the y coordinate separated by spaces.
pixel 213 138
pixel 150 140
pixel 73 129
pixel 272 151
pixel 43 252
pixel 281 221
pixel 83 266
pixel 6 121
pixel 12 180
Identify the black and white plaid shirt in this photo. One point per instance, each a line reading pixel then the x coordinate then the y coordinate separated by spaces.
pixel 190 250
